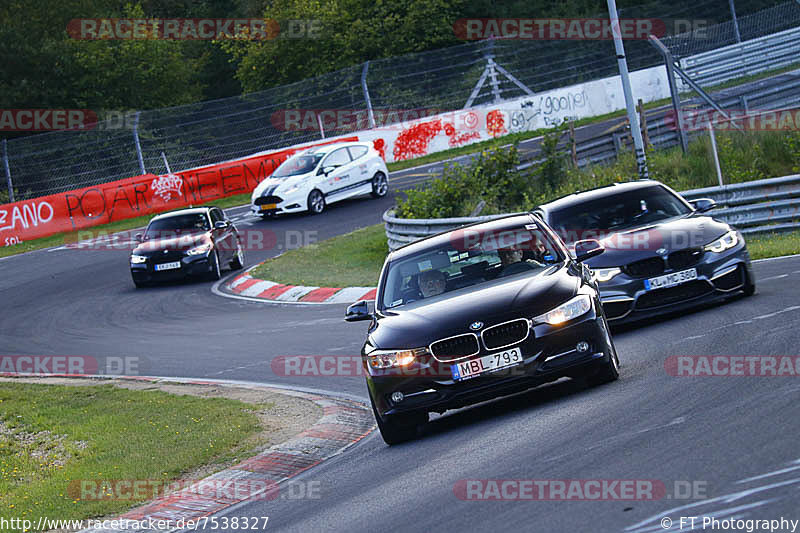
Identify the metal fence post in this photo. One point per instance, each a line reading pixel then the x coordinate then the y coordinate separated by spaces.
pixel 735 22
pixel 673 91
pixel 136 141
pixel 8 173
pixel 716 155
pixel 364 88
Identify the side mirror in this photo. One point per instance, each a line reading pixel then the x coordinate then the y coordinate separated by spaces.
pixel 702 205
pixel 358 311
pixel 221 224
pixel 139 237
pixel 587 248
pixel 328 170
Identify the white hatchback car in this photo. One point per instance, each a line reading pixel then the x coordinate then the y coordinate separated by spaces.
pixel 319 176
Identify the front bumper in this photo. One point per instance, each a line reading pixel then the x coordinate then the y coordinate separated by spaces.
pixel 191 265
pixel 286 203
pixel 719 276
pixel 550 353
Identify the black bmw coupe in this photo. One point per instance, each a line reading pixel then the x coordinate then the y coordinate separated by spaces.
pixel 190 242
pixel 663 254
pixel 480 312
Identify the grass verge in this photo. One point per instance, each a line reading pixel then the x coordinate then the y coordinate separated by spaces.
pixel 55 435
pixel 355 259
pixel 350 260
pixel 774 245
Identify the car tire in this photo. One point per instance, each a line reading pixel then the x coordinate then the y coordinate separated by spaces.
pixel 398 428
pixel 316 202
pixel 749 286
pixel 380 185
pixel 216 272
pixel 238 258
pixel 609 371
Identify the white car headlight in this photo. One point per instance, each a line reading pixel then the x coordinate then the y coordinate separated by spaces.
pixel 605 274
pixel 381 359
pixel 197 250
pixel 138 259
pixel 293 189
pixel 567 311
pixel 726 242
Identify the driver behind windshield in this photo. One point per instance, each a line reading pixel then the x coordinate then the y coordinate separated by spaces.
pixel 432 283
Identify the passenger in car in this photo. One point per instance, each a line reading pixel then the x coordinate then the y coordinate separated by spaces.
pixel 432 283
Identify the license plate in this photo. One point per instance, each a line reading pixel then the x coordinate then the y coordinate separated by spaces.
pixel 485 364
pixel 169 266
pixel 670 280
pixel 269 207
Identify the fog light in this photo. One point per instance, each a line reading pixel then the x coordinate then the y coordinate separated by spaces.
pixel 397 397
pixel 582 346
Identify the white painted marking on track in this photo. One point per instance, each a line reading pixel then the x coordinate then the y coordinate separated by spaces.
pixel 771 474
pixel 773 277
pixel 776 313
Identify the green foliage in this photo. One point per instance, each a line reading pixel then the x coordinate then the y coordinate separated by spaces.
pixel 494 178
pixel 491 177
pixel 43 67
pixel 553 171
pixel 349 32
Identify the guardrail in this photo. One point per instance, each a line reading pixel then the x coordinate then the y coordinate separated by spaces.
pixel 782 92
pixel 402 231
pixel 762 206
pixel 744 59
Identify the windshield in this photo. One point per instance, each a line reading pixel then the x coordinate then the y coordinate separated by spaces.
pixel 470 257
pixel 175 225
pixel 296 165
pixel 596 218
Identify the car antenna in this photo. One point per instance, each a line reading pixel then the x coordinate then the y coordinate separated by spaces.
pixel 169 172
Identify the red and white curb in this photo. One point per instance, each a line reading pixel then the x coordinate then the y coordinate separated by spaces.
pixel 250 288
pixel 344 422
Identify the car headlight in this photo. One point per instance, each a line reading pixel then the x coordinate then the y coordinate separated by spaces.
pixel 197 250
pixel 726 242
pixel 567 311
pixel 381 359
pixel 605 274
pixel 138 259
pixel 292 189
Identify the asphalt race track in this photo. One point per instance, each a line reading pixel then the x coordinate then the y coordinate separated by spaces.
pixel 733 438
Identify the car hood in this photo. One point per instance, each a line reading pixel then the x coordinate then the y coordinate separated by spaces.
pixel 180 243
pixel 672 234
pixel 420 323
pixel 275 185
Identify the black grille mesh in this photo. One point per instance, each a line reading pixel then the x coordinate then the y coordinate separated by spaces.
pixel 455 347
pixel 505 334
